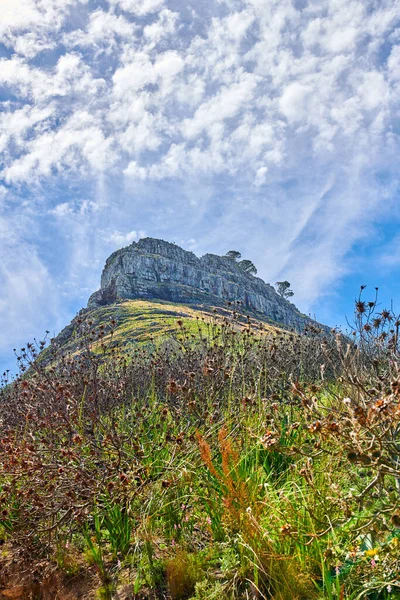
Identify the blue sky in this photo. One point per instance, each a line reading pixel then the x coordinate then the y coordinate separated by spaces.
pixel 267 126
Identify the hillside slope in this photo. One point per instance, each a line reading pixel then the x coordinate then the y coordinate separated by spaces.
pixel 132 322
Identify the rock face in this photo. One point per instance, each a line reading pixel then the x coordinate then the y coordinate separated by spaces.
pixel 154 269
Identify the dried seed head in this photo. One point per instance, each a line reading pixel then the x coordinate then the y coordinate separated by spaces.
pixel 352 456
pixel 396 520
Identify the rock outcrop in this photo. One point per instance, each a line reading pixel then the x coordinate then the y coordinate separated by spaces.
pixel 154 269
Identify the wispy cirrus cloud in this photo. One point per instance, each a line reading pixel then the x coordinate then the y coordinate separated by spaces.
pixel 269 126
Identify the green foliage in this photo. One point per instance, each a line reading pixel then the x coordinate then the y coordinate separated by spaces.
pixel 238 463
pixel 105 592
pixel 234 254
pixel 283 289
pixel 94 553
pixel 208 590
pixel 248 267
pixel 118 527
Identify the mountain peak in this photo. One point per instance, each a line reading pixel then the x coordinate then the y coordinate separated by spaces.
pixel 154 269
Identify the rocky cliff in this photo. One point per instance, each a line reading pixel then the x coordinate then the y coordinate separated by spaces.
pixel 154 269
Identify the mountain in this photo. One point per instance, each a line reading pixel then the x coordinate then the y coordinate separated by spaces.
pixel 147 286
pixel 155 269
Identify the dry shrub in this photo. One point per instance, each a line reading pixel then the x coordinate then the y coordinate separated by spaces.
pixel 184 570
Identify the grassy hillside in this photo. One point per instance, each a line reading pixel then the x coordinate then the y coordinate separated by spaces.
pixel 241 463
pixel 133 322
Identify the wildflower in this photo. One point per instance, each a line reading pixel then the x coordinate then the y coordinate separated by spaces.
pixel 389 588
pixel 346 400
pixel 373 563
pixel 208 520
pixel 373 552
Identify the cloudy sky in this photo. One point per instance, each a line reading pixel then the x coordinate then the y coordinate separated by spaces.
pixel 267 126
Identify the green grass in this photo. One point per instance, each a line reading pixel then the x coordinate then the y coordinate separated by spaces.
pixel 140 322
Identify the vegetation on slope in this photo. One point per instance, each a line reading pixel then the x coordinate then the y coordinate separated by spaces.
pixel 238 463
pixel 143 322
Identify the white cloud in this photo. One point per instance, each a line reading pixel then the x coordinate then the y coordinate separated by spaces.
pixel 139 7
pixel 394 63
pixel 28 26
pixel 294 101
pixel 102 31
pixel 142 72
pixel 73 209
pixel 133 170
pixel 261 175
pixel 120 239
pixel 210 102
pixel 234 120
pixel 373 91
pixel 164 26
pixel 15 126
pixel 28 302
pixel 79 143
pixel 224 105
pixel 69 77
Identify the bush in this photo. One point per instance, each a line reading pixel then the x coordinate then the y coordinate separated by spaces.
pixel 245 461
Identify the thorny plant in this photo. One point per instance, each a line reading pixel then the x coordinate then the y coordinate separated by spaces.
pixel 278 450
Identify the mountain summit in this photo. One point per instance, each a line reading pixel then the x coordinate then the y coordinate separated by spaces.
pixel 153 269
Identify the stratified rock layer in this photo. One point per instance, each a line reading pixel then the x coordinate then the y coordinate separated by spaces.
pixel 154 269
